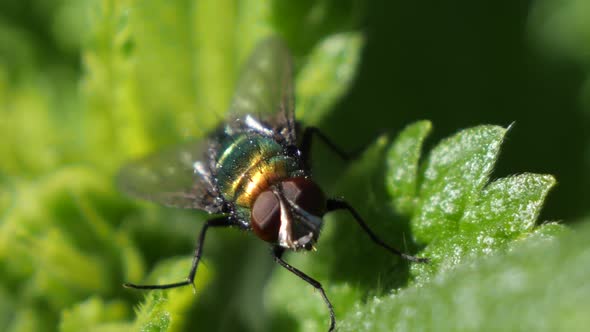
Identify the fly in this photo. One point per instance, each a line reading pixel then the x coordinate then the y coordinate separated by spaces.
pixel 252 173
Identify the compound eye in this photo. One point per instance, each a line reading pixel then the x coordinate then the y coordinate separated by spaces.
pixel 306 194
pixel 266 216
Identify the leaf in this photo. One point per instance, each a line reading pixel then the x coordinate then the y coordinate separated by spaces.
pixel 454 173
pixel 37 98
pixel 49 237
pixel 458 212
pixel 562 28
pixel 455 213
pixel 167 310
pixel 159 73
pixel 327 75
pixel 154 73
pixel 515 291
pixel 402 161
pixel 97 314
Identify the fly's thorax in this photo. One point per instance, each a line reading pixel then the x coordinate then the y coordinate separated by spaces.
pixel 249 164
pixel 289 213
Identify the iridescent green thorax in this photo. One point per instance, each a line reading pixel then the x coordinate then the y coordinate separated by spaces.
pixel 247 164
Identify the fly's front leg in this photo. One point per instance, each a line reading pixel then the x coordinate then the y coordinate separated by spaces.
pixel 338 204
pixel 216 222
pixel 277 254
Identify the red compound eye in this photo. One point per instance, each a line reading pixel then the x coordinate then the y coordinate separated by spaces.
pixel 266 216
pixel 266 211
pixel 306 194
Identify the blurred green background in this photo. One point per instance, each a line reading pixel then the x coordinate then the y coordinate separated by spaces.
pixel 87 85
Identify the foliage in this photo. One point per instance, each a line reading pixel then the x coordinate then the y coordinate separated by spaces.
pixel 87 85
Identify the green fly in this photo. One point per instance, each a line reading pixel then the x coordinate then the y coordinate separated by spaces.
pixel 252 173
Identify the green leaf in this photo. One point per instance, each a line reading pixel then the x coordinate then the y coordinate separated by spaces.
pixel 47 240
pixel 95 315
pixel 303 23
pixel 37 98
pixel 327 75
pixel 454 211
pixel 167 310
pixel 402 161
pixel 153 73
pixel 28 319
pixel 161 72
pixel 458 212
pixel 562 28
pixel 454 174
pixel 515 291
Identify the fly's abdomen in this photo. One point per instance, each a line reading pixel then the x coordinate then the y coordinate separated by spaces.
pixel 249 165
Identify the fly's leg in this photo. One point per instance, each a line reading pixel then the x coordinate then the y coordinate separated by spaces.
pixel 338 204
pixel 216 222
pixel 306 141
pixel 277 254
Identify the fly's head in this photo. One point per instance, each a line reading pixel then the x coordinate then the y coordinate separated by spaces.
pixel 290 213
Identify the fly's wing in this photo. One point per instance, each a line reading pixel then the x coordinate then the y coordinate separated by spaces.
pixel 173 177
pixel 264 92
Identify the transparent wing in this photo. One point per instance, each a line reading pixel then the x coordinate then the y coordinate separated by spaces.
pixel 265 90
pixel 174 177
